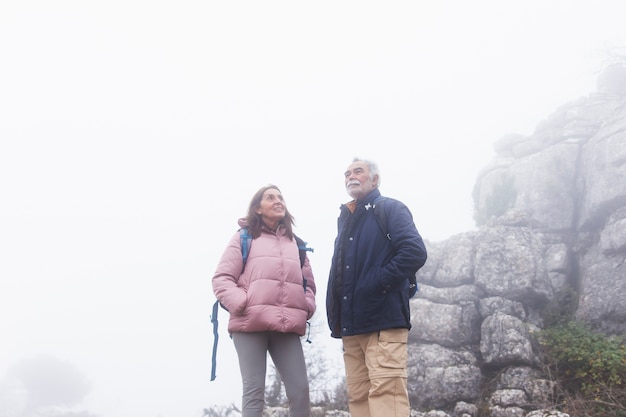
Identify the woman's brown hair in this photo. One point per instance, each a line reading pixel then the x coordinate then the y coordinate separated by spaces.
pixel 255 222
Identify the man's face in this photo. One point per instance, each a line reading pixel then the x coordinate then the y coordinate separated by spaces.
pixel 358 181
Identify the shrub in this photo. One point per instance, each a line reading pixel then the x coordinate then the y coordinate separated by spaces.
pixel 589 366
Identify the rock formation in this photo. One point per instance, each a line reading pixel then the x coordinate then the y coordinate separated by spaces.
pixel 551 241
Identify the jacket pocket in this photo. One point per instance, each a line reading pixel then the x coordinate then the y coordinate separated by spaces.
pixel 242 303
pixel 392 348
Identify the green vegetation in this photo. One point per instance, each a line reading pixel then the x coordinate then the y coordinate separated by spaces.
pixel 561 308
pixel 589 367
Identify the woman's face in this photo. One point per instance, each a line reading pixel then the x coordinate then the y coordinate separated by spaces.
pixel 272 208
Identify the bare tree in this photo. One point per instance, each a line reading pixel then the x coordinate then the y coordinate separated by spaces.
pixel 221 411
pixel 50 382
pixel 323 378
pixel 275 395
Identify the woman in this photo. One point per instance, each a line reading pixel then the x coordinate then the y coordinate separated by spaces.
pixel 269 302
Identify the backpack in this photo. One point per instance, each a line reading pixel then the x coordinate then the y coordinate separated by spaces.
pixel 246 242
pixel 381 219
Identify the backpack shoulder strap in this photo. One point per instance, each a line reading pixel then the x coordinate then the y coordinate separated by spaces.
pixel 302 249
pixel 381 216
pixel 246 241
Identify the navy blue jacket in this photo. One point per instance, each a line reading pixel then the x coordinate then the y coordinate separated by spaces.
pixel 368 286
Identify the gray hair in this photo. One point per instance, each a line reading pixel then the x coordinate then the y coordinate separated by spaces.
pixel 373 167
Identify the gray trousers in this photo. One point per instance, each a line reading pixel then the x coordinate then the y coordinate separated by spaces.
pixel 286 352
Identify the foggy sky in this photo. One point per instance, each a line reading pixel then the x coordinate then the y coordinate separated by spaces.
pixel 134 134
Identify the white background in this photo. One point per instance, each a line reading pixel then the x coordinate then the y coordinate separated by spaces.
pixel 134 133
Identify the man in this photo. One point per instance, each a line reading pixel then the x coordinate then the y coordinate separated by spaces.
pixel 367 300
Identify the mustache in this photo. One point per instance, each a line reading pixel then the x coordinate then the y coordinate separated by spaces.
pixel 353 182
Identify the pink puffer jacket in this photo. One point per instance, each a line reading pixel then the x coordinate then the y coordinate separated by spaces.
pixel 268 295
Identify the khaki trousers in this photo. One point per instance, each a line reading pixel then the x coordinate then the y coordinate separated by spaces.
pixel 376 374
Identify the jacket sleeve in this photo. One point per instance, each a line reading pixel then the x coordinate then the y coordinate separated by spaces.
pixel 311 289
pixel 226 278
pixel 409 250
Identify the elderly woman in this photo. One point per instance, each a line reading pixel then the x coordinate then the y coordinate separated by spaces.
pixel 270 298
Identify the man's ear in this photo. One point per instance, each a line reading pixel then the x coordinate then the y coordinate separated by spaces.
pixel 375 180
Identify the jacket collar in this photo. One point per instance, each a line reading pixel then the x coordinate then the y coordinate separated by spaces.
pixel 366 202
pixel 280 230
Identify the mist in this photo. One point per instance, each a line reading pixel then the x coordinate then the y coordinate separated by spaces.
pixel 135 133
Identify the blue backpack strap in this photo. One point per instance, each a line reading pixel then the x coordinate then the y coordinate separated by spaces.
pixel 215 339
pixel 246 241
